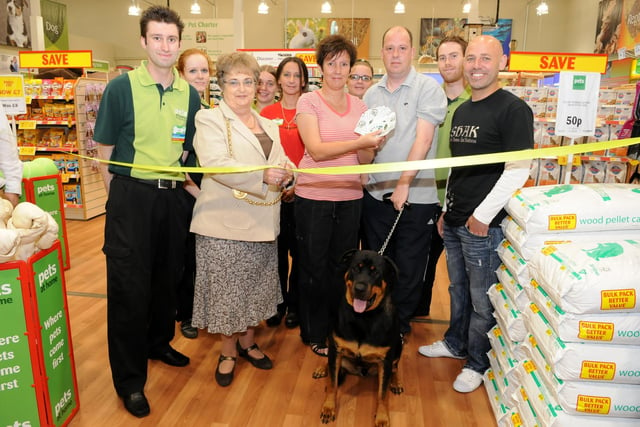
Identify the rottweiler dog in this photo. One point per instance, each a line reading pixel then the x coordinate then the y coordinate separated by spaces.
pixel 366 334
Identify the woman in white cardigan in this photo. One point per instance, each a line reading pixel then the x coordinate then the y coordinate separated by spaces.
pixel 236 217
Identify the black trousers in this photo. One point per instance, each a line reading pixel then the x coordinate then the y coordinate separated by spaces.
pixel 144 241
pixel 325 231
pixel 186 285
pixel 408 247
pixel 435 250
pixel 287 248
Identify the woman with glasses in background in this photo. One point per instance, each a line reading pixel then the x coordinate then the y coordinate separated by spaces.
pixel 360 79
pixel 266 89
pixel 236 217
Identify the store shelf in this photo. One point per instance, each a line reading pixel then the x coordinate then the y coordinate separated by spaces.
pixel 30 124
pixel 84 192
pixel 30 150
pixel 93 193
pixel 59 97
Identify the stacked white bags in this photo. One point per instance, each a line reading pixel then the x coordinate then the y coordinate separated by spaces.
pixel 566 350
pixel 24 230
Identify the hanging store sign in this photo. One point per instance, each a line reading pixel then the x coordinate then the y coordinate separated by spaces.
pixel 577 104
pixel 545 62
pixel 56 59
pixel 275 56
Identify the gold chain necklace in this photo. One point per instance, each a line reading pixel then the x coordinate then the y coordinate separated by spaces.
pixel 288 124
pixel 241 195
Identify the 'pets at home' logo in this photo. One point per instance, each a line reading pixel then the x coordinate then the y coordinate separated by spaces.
pixel 579 82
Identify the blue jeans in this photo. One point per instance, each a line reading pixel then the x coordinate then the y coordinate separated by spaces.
pixel 471 262
pixel 325 230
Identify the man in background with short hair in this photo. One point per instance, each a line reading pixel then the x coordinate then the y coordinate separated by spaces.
pixel 450 55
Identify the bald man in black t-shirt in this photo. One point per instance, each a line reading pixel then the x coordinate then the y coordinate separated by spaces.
pixel 492 121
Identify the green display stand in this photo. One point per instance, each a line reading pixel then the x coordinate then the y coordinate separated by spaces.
pixel 38 385
pixel 46 192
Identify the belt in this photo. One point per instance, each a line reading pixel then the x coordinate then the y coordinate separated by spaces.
pixel 161 184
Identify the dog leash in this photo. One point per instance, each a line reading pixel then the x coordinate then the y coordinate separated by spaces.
pixel 393 227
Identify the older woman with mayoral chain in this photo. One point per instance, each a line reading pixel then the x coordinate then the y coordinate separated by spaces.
pixel 236 217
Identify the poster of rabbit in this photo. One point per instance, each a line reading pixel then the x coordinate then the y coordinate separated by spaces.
pixel 305 33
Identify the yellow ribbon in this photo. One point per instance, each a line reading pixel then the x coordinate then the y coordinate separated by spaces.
pixel 449 162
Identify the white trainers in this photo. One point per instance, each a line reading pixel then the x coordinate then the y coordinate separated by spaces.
pixel 467 381
pixel 437 349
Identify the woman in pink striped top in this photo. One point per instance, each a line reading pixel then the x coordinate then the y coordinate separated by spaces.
pixel 327 207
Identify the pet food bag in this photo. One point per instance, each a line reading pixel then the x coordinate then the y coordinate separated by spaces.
pixel 580 397
pixel 507 314
pixel 612 328
pixel 500 411
pixel 514 262
pixel 596 277
pixel 607 363
pixel 528 244
pixel 604 402
pixel 505 352
pixel 525 415
pixel 506 387
pixel 576 208
pixel 511 286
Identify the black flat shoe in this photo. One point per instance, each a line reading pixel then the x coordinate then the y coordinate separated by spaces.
pixel 137 404
pixel 187 329
pixel 274 321
pixel 263 363
pixel 171 357
pixel 291 321
pixel 224 380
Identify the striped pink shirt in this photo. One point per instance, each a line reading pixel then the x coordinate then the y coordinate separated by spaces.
pixel 333 127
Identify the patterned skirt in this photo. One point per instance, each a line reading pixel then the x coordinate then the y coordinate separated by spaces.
pixel 237 284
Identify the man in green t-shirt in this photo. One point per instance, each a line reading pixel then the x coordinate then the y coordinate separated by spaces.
pixel 146 117
pixel 450 54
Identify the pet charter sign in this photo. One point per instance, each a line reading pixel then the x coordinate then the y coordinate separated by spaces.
pixel 213 36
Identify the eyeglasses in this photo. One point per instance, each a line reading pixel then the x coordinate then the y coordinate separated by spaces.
pixel 359 77
pixel 236 83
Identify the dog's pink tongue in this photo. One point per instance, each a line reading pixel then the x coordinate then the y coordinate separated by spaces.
pixel 359 305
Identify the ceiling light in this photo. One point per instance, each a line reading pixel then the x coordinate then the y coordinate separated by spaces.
pixel 399 9
pixel 542 8
pixel 195 8
pixel 326 7
pixel 466 7
pixel 263 8
pixel 134 9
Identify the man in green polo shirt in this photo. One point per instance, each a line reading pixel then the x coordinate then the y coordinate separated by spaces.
pixel 146 117
pixel 450 54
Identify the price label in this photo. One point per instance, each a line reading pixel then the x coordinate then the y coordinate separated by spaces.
pixel 27 124
pixel 622 53
pixel 577 104
pixel 27 151
pixel 12 94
